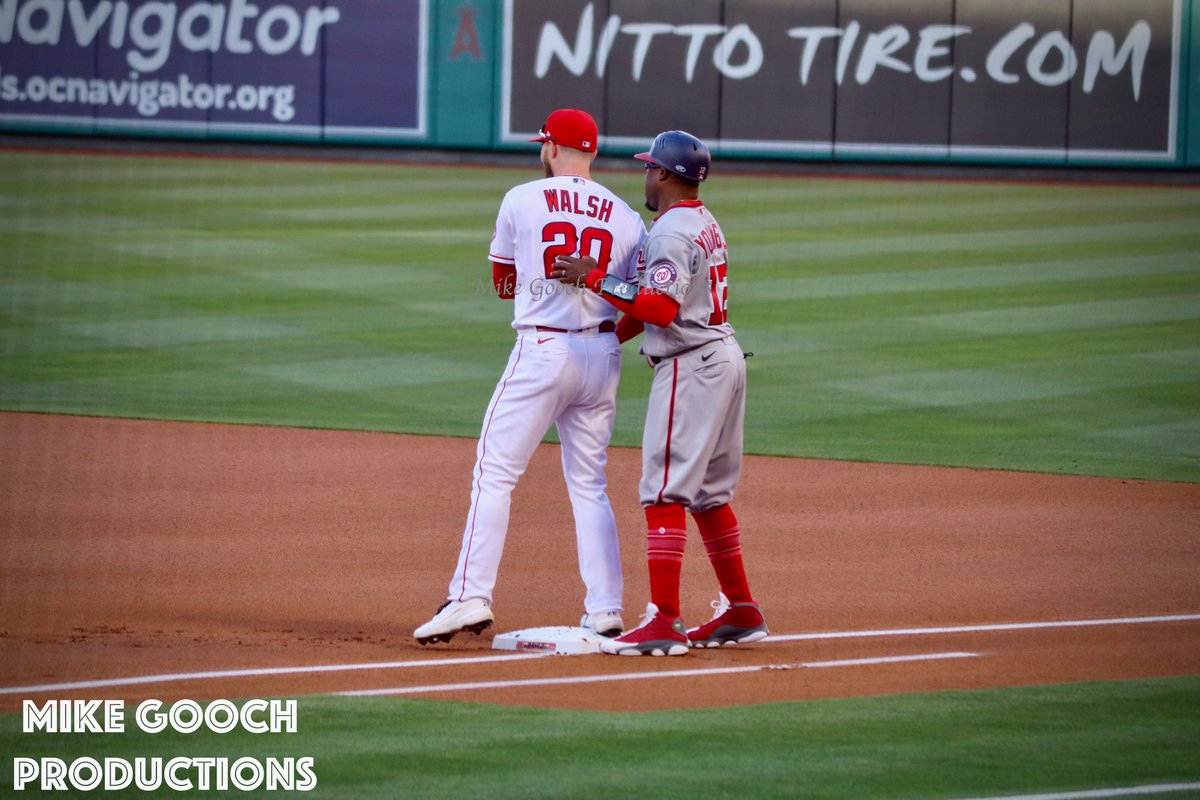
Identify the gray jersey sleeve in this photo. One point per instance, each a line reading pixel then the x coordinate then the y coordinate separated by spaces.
pixel 670 264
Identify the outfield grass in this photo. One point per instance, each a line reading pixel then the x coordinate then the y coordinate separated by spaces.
pixel 1034 327
pixel 943 745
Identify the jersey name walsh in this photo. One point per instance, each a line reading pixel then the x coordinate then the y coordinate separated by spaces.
pixel 563 200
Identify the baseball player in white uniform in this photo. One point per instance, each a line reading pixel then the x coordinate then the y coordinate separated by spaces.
pixel 692 442
pixel 563 371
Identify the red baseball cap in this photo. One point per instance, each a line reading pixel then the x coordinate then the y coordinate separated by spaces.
pixel 570 127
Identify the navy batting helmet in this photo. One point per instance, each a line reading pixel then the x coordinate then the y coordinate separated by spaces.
pixel 681 153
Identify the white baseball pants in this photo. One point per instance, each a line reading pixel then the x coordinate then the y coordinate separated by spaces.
pixel 568 380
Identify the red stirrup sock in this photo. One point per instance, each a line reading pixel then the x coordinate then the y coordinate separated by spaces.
pixel 666 536
pixel 723 541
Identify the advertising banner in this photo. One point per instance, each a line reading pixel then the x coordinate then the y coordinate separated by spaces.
pixel 308 68
pixel 1030 79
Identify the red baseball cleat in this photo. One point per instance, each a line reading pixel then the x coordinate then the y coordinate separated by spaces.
pixel 731 624
pixel 656 636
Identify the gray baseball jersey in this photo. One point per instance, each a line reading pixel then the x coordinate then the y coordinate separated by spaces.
pixel 685 256
pixel 692 441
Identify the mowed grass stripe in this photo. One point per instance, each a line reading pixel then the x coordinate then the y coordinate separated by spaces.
pixel 1020 326
pixel 398 208
pixel 887 245
pixel 1072 316
pixel 822 218
pixel 1042 380
pixel 1020 273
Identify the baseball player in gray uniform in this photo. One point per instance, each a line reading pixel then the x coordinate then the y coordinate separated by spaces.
pixel 692 441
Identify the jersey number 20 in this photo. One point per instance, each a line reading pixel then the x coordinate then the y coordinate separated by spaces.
pixel 563 239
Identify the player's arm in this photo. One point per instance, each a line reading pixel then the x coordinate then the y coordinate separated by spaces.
pixel 641 303
pixel 502 252
pixel 504 279
pixel 629 327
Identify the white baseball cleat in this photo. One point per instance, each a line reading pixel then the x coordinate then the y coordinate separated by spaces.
pixel 474 615
pixel 605 623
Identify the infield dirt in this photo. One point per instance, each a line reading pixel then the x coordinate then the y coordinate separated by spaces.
pixel 136 548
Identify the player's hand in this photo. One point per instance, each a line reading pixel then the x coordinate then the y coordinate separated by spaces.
pixel 572 270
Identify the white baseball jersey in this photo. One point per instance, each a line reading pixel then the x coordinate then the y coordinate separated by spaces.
pixel 564 215
pixel 685 256
pixel 563 371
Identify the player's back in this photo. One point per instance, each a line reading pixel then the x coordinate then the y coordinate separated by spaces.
pixel 686 257
pixel 564 215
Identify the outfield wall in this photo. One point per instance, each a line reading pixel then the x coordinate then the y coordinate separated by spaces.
pixel 1082 82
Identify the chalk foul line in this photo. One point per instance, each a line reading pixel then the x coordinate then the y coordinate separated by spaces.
pixel 137 680
pixel 643 676
pixel 1013 626
pixel 261 672
pixel 1089 794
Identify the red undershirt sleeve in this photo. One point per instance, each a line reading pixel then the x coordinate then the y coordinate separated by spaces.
pixel 504 278
pixel 629 327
